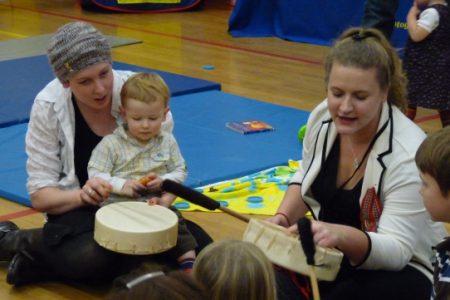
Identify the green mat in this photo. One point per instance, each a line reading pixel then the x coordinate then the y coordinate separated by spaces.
pixel 37 45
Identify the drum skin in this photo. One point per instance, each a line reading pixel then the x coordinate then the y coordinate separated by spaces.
pixel 285 250
pixel 136 228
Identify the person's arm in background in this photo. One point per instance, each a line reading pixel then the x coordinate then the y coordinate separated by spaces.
pixel 418 30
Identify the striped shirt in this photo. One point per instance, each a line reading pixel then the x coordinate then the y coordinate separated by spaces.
pixel 441 285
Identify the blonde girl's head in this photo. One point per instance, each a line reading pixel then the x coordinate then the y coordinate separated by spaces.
pixel 235 270
pixel 367 48
pixel 145 87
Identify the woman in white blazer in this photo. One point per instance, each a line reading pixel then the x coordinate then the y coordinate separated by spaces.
pixel 359 180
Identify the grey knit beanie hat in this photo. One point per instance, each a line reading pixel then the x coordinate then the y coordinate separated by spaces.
pixel 76 46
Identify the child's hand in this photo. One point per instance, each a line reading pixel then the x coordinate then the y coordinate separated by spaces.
pixel 152 182
pixel 154 201
pixel 133 189
pixel 165 200
pixel 414 11
pixel 147 178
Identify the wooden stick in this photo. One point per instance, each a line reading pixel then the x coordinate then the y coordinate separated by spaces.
pixel 314 284
pixel 234 214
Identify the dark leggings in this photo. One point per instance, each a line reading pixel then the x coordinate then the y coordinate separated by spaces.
pixel 380 14
pixel 445 117
pixel 444 114
pixel 407 284
pixel 81 258
pixel 77 256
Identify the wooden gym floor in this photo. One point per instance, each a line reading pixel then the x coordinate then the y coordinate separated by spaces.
pixel 267 69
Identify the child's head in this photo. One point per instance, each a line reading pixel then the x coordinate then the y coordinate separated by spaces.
pixel 235 270
pixel 144 99
pixel 175 285
pixel 433 161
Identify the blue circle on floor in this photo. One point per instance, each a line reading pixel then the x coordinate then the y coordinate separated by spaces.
pixel 273 180
pixel 255 205
pixel 223 203
pixel 255 199
pixel 252 188
pixel 182 205
pixel 282 187
pixel 208 67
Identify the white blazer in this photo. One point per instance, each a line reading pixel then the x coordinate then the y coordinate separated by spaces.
pixel 405 232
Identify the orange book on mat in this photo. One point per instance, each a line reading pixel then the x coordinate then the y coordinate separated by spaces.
pixel 251 126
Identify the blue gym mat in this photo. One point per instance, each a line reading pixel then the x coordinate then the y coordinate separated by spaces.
pixel 21 79
pixel 212 152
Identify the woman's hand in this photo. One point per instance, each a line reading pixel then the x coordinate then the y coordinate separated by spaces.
pixel 351 241
pixel 327 234
pixel 95 191
pixel 133 189
pixel 279 219
pixel 324 234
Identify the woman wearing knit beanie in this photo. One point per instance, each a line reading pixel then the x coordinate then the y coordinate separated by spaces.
pixel 68 118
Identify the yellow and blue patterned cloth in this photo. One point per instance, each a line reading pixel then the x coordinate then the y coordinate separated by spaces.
pixel 258 193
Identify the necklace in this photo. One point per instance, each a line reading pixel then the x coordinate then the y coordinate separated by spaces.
pixel 356 161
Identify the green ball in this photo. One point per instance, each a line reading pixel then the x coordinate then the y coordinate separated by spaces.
pixel 301 133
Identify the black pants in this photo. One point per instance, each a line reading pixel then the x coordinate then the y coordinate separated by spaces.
pixel 69 250
pixel 407 284
pixel 380 14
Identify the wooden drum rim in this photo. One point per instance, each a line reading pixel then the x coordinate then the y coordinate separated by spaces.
pixel 134 227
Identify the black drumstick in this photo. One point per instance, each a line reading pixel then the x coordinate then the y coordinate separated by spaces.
pixel 306 239
pixel 309 248
pixel 198 198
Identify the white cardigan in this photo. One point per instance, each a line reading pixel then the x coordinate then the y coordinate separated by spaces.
pixel 405 231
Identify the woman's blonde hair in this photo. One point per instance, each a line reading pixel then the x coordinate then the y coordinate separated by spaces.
pixel 235 270
pixel 145 87
pixel 367 48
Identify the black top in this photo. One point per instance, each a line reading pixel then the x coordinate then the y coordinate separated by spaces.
pixel 82 219
pixel 337 205
pixel 85 142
